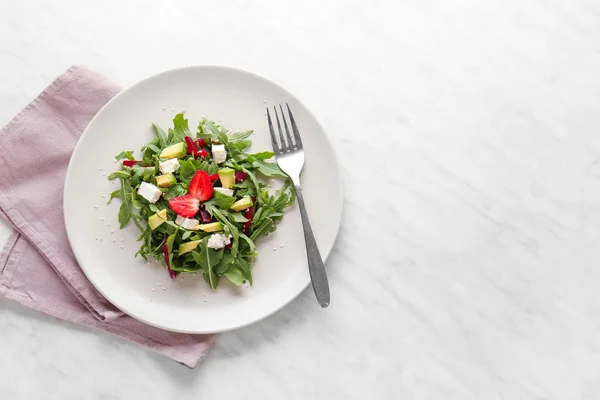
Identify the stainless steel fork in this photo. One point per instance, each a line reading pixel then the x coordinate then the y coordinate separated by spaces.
pixel 289 154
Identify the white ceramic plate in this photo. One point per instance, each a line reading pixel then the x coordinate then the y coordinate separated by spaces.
pixel 238 99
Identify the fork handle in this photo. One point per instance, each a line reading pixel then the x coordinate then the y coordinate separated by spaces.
pixel 315 263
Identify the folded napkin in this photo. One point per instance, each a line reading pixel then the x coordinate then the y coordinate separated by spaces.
pixel 37 267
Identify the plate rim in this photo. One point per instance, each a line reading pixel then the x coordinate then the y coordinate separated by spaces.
pixel 324 254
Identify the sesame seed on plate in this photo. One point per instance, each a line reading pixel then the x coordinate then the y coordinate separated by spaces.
pixel 264 102
pixel 164 288
pixel 100 239
pixel 96 238
pixel 114 240
pixel 108 224
pixel 280 245
pixel 164 108
pixel 172 109
pixel 101 168
pixel 103 196
pixel 274 248
pixel 95 206
pixel 102 219
pixel 112 231
pixel 122 247
pixel 153 289
pixel 122 240
pixel 205 300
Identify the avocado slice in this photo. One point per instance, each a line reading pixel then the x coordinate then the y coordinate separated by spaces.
pixel 242 204
pixel 212 227
pixel 227 177
pixel 166 180
pixel 188 246
pixel 156 220
pixel 177 150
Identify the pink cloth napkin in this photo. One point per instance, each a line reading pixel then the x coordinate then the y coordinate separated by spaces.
pixel 37 266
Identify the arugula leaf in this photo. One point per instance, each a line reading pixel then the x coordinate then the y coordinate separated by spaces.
pixel 175 191
pixel 181 128
pixel 119 174
pixel 215 212
pixel 215 133
pixel 269 169
pixel 162 136
pixel 207 259
pixel 240 136
pixel 125 154
pixel 187 171
pixel 154 149
pixel 124 214
pixel 227 261
pixel 241 145
pixel 220 200
pixel 186 235
pixel 238 217
pixel 235 276
pixel 244 267
pixel 116 193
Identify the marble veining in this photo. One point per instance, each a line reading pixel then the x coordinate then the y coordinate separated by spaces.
pixel 468 136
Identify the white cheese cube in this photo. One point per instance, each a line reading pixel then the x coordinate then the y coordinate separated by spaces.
pixel 218 241
pixel 186 223
pixel 169 166
pixel 218 153
pixel 226 192
pixel 149 192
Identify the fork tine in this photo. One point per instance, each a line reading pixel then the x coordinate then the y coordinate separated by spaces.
pixel 284 148
pixel 297 137
pixel 276 148
pixel 287 131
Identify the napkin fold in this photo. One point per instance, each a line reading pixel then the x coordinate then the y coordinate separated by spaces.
pixel 37 267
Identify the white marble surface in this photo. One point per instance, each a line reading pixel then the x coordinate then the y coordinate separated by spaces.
pixel 467 266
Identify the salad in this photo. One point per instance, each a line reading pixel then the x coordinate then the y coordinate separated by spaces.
pixel 200 201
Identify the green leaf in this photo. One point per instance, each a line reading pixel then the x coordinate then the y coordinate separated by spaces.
pixel 240 136
pixel 186 235
pixel 235 276
pixel 220 200
pixel 264 155
pixel 124 214
pixel 125 154
pixel 248 241
pixel 244 267
pixel 116 193
pixel 175 191
pixel 153 207
pixel 218 214
pixel 227 262
pixel 241 145
pixel 209 127
pixel 170 242
pixel 187 171
pixel 268 169
pixel 181 128
pixel 162 136
pixel 135 202
pixel 207 259
pixel 238 217
pixel 119 174
pixel 154 149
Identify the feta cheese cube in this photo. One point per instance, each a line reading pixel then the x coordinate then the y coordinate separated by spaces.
pixel 186 223
pixel 226 192
pixel 218 241
pixel 149 192
pixel 169 166
pixel 218 153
